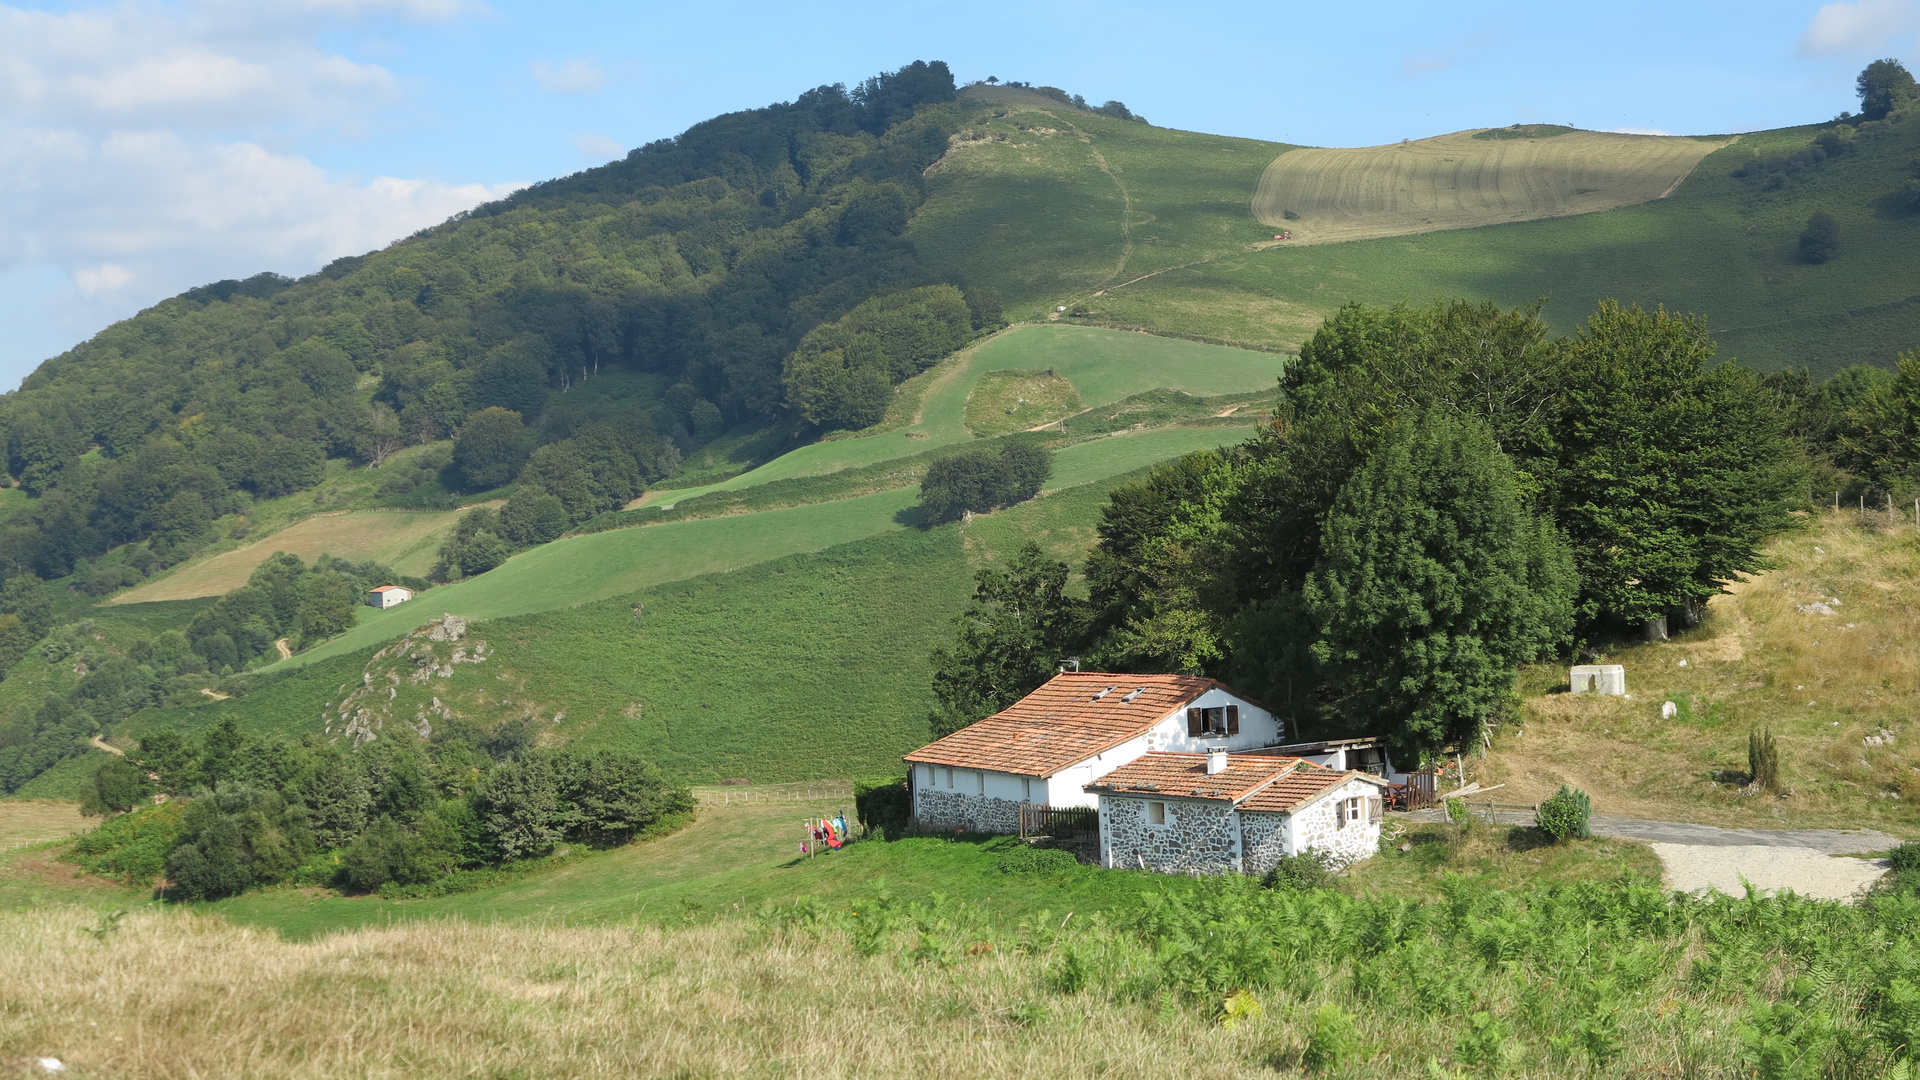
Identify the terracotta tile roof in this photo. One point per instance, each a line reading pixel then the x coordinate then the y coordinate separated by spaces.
pixel 1295 790
pixel 1184 776
pixel 1072 717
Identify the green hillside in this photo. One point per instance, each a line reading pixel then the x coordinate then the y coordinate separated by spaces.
pixel 1144 226
pixel 638 315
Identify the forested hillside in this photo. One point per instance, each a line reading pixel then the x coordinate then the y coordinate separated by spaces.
pixel 699 262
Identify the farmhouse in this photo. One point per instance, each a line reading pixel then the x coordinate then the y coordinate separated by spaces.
pixel 1079 726
pixel 1217 812
pixel 386 596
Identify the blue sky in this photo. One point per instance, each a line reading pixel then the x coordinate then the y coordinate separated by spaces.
pixel 149 147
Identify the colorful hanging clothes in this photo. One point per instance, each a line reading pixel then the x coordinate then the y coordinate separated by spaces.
pixel 834 839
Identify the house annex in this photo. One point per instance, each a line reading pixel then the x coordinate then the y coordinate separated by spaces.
pixel 1219 812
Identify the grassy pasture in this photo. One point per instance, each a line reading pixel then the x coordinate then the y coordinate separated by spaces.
pixel 1007 401
pixel 1102 365
pixel 581 569
pixel 33 821
pixel 1719 246
pixel 1839 692
pixel 408 541
pixel 798 668
pixel 1459 181
pixel 1048 203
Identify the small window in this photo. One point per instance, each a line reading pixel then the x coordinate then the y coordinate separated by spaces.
pixel 1026 788
pixel 980 779
pixel 1156 813
pixel 1353 811
pixel 949 776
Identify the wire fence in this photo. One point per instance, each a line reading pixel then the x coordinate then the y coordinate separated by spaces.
pixel 819 791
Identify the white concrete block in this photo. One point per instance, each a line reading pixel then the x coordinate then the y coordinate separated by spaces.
pixel 1598 679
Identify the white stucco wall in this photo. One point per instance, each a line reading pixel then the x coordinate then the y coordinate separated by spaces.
pixel 1068 786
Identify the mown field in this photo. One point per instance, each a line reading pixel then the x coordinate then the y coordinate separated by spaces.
pixel 407 540
pixel 1467 179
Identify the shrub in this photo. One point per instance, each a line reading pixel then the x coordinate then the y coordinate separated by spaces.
pixel 1300 873
pixel 1820 241
pixel 1566 816
pixel 884 804
pixel 1905 858
pixel 1024 859
pixel 1763 759
pixel 984 479
pixel 134 846
pixel 118 786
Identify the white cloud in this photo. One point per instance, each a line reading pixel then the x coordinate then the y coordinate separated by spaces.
pixel 599 147
pixel 149 210
pixel 107 277
pixel 1857 28
pixel 1637 131
pixel 1445 58
pixel 147 147
pixel 147 65
pixel 576 76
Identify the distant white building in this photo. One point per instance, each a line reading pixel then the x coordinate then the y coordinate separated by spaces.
pixel 386 596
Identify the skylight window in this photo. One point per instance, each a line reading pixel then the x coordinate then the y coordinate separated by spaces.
pixel 1137 691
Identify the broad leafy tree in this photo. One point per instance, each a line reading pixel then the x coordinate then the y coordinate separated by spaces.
pixel 1434 585
pixel 1884 85
pixel 1021 625
pixel 1671 471
pixel 490 449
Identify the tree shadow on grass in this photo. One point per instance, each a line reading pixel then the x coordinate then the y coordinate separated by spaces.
pixel 915 517
pixel 1528 838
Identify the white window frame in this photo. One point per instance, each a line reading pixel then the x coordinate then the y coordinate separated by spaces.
pixel 1353 811
pixel 1156 813
pixel 949 776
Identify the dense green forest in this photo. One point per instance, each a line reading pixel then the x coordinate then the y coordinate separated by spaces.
pixel 700 262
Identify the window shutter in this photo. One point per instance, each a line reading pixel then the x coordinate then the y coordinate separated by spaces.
pixel 1375 808
pixel 1233 719
pixel 1196 722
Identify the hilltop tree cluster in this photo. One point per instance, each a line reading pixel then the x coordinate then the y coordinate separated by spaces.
pixel 1446 494
pixel 402 811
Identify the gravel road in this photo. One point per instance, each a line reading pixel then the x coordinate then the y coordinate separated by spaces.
pixel 1811 862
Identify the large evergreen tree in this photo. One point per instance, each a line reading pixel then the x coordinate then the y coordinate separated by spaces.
pixel 1434 585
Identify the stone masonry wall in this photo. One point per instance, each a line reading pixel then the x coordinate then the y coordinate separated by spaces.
pixel 1198 837
pixel 938 809
pixel 1317 828
pixel 1263 841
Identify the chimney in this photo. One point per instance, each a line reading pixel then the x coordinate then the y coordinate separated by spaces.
pixel 1216 760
